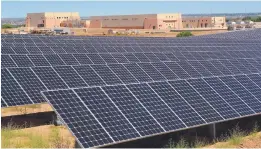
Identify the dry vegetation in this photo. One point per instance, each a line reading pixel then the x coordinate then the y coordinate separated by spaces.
pixel 48 136
pixel 236 138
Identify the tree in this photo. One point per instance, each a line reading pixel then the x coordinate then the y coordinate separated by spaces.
pixel 184 34
pixel 7 26
pixel 247 18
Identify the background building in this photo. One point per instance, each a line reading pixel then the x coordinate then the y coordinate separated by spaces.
pixel 144 21
pixel 204 22
pixel 50 19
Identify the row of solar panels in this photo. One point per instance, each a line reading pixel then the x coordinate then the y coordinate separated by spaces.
pixel 130 40
pixel 82 59
pixel 23 85
pixel 111 114
pixel 247 34
pixel 113 49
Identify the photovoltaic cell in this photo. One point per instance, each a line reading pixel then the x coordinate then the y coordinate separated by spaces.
pixel 244 94
pixel 6 61
pixel 189 69
pixel 82 59
pixel 164 70
pixel 108 58
pixel 50 78
pixel 78 118
pixel 196 101
pixel 38 60
pixel 229 96
pixel 54 60
pixel 137 72
pixel 96 58
pixel 179 71
pixel 216 101
pixel 177 103
pixel 158 109
pixel 68 59
pixel 112 120
pixel 151 71
pixel 125 76
pixel 29 82
pixel 89 75
pixel 106 74
pixel 139 117
pixel 7 50
pixel 11 91
pixel 120 58
pixel 70 76
pixel 22 61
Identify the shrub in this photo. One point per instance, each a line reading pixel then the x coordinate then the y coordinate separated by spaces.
pixel 7 26
pixel 184 34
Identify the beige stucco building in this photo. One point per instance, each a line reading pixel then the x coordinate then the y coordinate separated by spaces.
pixel 50 19
pixel 204 22
pixel 143 21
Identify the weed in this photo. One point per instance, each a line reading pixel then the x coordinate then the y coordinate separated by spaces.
pixel 57 140
pixel 236 136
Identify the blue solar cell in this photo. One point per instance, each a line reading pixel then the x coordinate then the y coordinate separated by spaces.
pixel 244 94
pixel 137 72
pixel 151 71
pixel 82 59
pixel 54 60
pixel 70 76
pixel 89 75
pixel 196 101
pixel 179 71
pixel 29 82
pixel 38 60
pixel 50 78
pixel 6 61
pixel 134 111
pixel 96 58
pixel 123 73
pixel 106 74
pixel 112 120
pixel 22 61
pixel 68 59
pixel 11 91
pixel 216 101
pixel 229 96
pixel 183 110
pixel 158 108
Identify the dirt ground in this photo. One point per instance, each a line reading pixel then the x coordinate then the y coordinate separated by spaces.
pixel 26 109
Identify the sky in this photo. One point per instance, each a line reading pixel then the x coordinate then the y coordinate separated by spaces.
pixel 17 9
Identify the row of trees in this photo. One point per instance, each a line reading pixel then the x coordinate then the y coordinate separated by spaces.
pixel 254 19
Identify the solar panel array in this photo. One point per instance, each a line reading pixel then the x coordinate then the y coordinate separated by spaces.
pixel 114 89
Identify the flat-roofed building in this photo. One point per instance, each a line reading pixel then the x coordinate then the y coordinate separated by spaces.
pixel 143 21
pixel 50 19
pixel 204 22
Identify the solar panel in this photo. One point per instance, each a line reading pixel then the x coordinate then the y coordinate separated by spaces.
pixel 82 59
pixel 106 74
pixel 54 60
pixel 137 72
pixel 196 101
pixel 11 91
pixel 38 60
pixel 89 75
pixel 6 61
pixel 50 78
pixel 151 71
pixel 70 76
pixel 216 101
pixel 134 111
pixel 177 104
pixel 68 59
pixel 96 58
pixel 164 70
pixel 7 50
pixel 29 82
pixel 120 58
pixel 22 61
pixel 244 94
pixel 123 73
pixel 179 71
pixel 160 111
pixel 114 122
